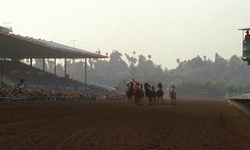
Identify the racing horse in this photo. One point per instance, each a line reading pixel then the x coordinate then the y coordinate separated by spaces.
pixel 154 94
pixel 172 95
pixel 148 92
pixel 138 95
pixel 130 92
pixel 159 94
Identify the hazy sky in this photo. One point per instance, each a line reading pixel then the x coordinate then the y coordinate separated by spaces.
pixel 165 29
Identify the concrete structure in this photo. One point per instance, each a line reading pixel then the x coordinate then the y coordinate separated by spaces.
pixel 240 101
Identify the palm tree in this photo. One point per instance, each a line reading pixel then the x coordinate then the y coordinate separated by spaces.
pixel 149 56
pixel 205 58
pixel 178 60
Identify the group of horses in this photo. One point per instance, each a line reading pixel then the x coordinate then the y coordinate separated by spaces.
pixel 137 94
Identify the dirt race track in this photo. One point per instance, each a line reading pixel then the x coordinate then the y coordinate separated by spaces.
pixel 194 123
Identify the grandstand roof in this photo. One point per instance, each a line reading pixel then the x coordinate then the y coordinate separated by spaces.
pixel 244 29
pixel 20 47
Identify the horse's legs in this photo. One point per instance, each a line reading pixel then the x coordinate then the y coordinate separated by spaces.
pixel 130 99
pixel 159 98
pixel 138 100
pixel 149 99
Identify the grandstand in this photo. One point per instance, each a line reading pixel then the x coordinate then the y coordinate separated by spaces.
pixel 14 73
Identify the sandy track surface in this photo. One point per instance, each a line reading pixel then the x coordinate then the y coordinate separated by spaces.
pixel 191 124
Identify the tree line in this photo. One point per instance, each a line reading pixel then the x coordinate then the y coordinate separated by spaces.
pixel 198 76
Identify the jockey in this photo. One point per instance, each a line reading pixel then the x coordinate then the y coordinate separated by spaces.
pixel 141 86
pixel 153 87
pixel 149 87
pixel 146 86
pixel 127 86
pixel 131 84
pixel 172 87
pixel 137 84
pixel 159 86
